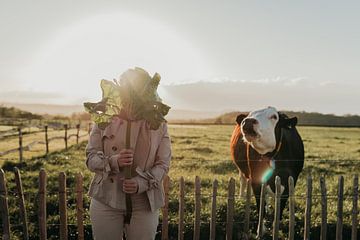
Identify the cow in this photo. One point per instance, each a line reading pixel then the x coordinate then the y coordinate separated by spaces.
pixel 265 143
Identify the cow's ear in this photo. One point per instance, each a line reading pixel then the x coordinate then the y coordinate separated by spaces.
pixel 240 117
pixel 284 121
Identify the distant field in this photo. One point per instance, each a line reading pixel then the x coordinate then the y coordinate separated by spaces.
pixel 204 151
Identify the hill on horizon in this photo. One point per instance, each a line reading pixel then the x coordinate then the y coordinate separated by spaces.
pixel 304 118
pixel 193 116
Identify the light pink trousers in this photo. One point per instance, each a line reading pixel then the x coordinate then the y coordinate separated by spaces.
pixel 108 223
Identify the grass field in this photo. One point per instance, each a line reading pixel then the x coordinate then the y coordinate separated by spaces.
pixel 203 150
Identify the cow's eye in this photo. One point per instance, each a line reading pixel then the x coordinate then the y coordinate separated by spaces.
pixel 274 117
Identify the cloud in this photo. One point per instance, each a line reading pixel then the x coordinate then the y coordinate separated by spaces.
pixel 287 94
pixel 298 94
pixel 287 81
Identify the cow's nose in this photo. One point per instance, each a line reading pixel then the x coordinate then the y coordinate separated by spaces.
pixel 248 124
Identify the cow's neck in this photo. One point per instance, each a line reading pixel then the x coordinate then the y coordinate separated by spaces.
pixel 273 154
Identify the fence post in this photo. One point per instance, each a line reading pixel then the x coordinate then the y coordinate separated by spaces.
pixel 308 208
pixel 230 209
pixel 181 208
pixel 77 133
pixel 261 213
pixel 20 145
pixel 165 210
pixel 355 208
pixel 62 206
pixel 291 208
pixel 277 208
pixel 65 137
pixel 247 209
pixel 197 208
pixel 339 222
pixel 79 206
pixel 42 204
pixel 20 194
pixel 46 140
pixel 323 209
pixel 4 207
pixel 213 211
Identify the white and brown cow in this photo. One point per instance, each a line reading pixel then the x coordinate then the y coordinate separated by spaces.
pixel 266 144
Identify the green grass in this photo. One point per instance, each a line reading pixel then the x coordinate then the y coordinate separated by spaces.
pixel 204 151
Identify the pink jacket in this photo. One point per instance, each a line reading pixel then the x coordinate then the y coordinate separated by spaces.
pixel 102 151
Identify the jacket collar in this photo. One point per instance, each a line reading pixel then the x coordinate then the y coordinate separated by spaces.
pixel 118 123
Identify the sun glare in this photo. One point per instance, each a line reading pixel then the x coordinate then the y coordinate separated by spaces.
pixel 76 58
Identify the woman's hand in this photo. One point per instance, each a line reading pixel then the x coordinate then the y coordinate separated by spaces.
pixel 126 157
pixel 130 186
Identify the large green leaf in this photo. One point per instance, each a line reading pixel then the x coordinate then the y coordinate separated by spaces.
pixel 134 97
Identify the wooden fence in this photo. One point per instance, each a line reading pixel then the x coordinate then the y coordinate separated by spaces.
pixel 79 191
pixel 46 142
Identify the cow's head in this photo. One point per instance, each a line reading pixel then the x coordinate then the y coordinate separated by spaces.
pixel 259 128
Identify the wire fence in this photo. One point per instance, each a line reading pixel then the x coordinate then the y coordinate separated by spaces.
pixel 29 147
pixel 183 197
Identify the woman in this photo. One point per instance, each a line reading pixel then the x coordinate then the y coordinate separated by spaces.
pixel 149 158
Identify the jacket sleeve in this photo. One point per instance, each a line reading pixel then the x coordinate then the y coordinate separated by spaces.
pixel 96 160
pixel 152 178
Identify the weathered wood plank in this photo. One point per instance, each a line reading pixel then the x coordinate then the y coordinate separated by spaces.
pixel 247 209
pixel 323 233
pixel 213 211
pixel 308 208
pixel 291 208
pixel 197 208
pixel 261 213
pixel 340 206
pixel 66 137
pixel 230 209
pixel 20 145
pixel 79 205
pixel 22 209
pixel 77 133
pixel 181 208
pixel 355 211
pixel 46 140
pixel 4 206
pixel 276 223
pixel 42 205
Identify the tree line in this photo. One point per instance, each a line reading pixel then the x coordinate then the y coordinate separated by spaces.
pixel 304 118
pixel 11 112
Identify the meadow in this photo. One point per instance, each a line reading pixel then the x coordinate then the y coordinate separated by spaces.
pixel 201 150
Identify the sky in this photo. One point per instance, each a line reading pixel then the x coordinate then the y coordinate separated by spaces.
pixel 300 55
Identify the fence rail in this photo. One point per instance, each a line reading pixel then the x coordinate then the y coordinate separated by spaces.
pixel 79 192
pixel 29 146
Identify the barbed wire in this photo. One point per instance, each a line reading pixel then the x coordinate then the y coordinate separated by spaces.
pixel 193 160
pixel 288 160
pixel 187 195
pixel 202 222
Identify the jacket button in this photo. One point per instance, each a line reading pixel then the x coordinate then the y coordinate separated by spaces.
pixel 114 148
pixel 112 136
pixel 111 180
